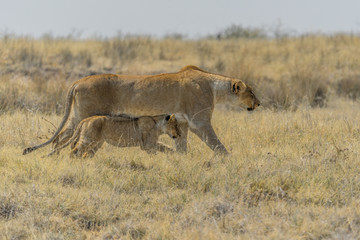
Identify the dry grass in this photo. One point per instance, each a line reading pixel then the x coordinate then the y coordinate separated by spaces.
pixel 290 175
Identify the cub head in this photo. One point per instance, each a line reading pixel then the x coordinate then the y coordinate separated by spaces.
pixel 244 95
pixel 171 126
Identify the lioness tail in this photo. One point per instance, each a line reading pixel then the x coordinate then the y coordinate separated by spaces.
pixel 62 124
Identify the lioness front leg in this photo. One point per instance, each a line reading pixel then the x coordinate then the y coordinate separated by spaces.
pixel 206 133
pixel 181 141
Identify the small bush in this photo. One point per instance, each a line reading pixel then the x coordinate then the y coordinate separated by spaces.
pixel 27 57
pixel 84 58
pixel 238 31
pixel 65 56
pixel 349 87
pixel 274 94
pixel 128 48
pixel 8 208
pixel 288 93
pixel 308 85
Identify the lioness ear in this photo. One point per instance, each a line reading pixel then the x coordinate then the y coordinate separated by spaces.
pixel 237 86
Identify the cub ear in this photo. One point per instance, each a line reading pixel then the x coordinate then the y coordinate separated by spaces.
pixel 237 86
pixel 172 117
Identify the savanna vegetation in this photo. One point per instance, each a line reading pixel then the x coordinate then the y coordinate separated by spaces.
pixel 293 172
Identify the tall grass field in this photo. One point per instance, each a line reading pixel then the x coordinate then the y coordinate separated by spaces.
pixel 293 171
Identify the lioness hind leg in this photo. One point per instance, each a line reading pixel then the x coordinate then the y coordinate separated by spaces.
pixel 206 133
pixel 62 138
pixel 181 141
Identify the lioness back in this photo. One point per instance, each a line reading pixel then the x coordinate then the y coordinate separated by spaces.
pixel 143 95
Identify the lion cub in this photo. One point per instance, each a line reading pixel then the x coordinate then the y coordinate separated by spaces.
pixel 120 131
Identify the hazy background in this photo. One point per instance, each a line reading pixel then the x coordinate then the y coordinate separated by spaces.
pixel 88 18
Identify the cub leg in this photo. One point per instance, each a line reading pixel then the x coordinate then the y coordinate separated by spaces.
pixel 161 147
pixel 92 149
pixel 63 137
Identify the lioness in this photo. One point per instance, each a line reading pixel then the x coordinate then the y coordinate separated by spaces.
pixel 190 93
pixel 92 132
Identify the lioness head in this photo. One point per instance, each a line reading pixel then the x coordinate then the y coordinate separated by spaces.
pixel 171 126
pixel 244 95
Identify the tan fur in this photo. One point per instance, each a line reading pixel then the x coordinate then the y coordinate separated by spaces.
pixel 92 132
pixel 190 93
